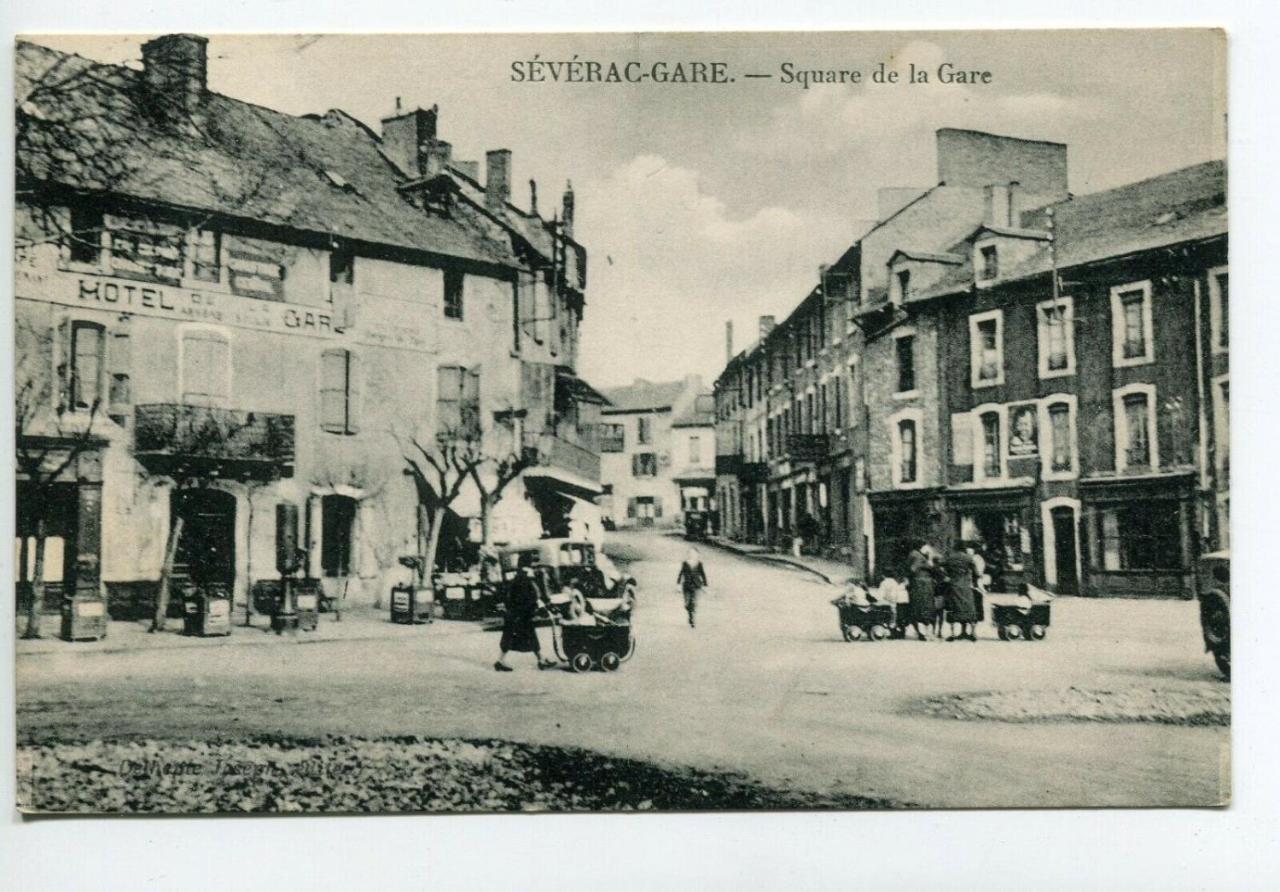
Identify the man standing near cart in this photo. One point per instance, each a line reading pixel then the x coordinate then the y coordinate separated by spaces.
pixel 524 600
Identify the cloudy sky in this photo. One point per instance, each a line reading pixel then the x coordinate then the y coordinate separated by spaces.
pixel 704 203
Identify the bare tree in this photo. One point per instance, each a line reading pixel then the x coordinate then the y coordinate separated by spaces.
pixel 505 469
pixel 440 470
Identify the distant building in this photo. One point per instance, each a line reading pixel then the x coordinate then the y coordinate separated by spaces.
pixel 641 450
pixel 693 442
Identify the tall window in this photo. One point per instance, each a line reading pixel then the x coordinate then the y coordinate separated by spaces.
pixel 1131 324
pixel 86 234
pixel 1056 337
pixel 612 438
pixel 906 350
pixel 695 450
pixel 206 368
pixel 986 349
pixel 992 454
pixel 453 280
pixel 458 401
pixel 907 451
pixel 1060 458
pixel 1137 448
pixel 644 431
pixel 338 392
pixel 87 344
pixel 1219 310
pixel 337 528
pixel 990 262
pixel 644 464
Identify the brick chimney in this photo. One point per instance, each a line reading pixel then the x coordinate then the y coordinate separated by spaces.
pixel 567 210
pixel 175 71
pixel 497 177
pixel 409 140
pixel 728 341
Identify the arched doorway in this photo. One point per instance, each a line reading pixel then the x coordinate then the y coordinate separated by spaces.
pixel 207 547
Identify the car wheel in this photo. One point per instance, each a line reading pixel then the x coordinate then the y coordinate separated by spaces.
pixel 1217 626
pixel 1223 659
pixel 581 662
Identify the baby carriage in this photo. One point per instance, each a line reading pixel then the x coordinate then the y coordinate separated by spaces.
pixel 1021 621
pixel 858 621
pixel 599 643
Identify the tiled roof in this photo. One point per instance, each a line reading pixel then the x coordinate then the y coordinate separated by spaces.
pixel 1181 206
pixel 642 394
pixel 87 126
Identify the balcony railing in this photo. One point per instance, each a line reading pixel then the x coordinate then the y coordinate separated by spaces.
pixel 550 451
pixel 212 441
pixel 808 447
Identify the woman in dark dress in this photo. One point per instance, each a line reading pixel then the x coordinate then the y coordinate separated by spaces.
pixel 518 632
pixel 961 607
pixel 692 579
pixel 919 588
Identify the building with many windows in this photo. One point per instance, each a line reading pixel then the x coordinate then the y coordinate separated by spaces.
pixel 221 309
pixel 1040 374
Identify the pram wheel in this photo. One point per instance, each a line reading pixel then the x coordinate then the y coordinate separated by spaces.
pixel 879 632
pixel 1038 632
pixel 610 662
pixel 852 633
pixel 1003 632
pixel 1013 633
pixel 581 662
pixel 847 632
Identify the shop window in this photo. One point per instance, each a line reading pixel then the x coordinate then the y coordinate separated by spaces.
pixel 85 239
pixel 453 294
pixel 992 450
pixel 644 431
pixel 986 349
pixel 906 354
pixel 206 368
pixel 613 438
pixel 338 411
pixel 458 402
pixel 337 528
pixel 1144 536
pixel 1131 324
pixel 644 464
pixel 1056 338
pixel 88 340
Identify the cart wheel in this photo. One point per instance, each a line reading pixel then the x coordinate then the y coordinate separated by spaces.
pixel 1002 632
pixel 879 632
pixel 581 662
pixel 1038 632
pixel 1013 632
pixel 847 632
pixel 610 662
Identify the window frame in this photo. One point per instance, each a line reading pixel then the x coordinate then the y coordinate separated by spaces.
pixel 100 394
pixel 644 431
pixel 1047 471
pixel 975 366
pixel 607 439
pixel 351 403
pixel 914 390
pixel 1216 315
pixel 1043 309
pixel 464 372
pixel 1118 359
pixel 980 474
pixel 980 265
pixel 1120 421
pixel 202 331
pixel 450 276
pixel 916 416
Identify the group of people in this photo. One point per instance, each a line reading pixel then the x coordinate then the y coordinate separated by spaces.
pixel 945 589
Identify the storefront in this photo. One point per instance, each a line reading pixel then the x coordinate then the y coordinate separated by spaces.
pixel 1000 525
pixel 900 520
pixel 1138 536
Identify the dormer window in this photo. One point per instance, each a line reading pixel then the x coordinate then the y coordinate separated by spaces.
pixel 903 284
pixel 990 262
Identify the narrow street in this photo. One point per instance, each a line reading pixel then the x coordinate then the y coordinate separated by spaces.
pixel 764 685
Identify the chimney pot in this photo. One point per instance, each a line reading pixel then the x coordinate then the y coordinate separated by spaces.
pixel 567 213
pixel 497 177
pixel 175 71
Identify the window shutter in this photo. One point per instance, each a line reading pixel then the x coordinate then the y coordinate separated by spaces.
pixel 333 386
pixel 120 362
pixel 62 344
pixel 355 384
pixel 631 507
pixel 962 439
pixel 657 506
pixel 635 464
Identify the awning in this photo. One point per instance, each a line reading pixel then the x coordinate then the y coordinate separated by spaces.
pixel 578 390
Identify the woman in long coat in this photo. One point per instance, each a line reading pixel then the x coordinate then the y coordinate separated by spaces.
pixel 961 606
pixel 518 632
pixel 920 588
